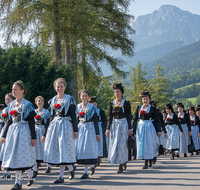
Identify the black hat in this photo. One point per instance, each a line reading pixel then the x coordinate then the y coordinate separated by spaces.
pixel 179 105
pixel 153 102
pixel 168 105
pixel 191 108
pixel 92 99
pixel 145 93
pixel 118 85
pixel 198 107
pixel 2 106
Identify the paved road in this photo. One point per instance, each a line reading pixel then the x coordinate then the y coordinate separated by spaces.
pixel 181 173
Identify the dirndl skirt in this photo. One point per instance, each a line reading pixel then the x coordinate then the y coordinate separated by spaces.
pixel 59 146
pixel 184 139
pixel 195 138
pixel 118 142
pixel 39 147
pixel 2 145
pixel 86 144
pixel 18 154
pixel 100 143
pixel 173 134
pixel 147 140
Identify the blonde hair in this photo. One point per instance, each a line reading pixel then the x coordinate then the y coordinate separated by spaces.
pixel 38 98
pixel 62 80
pixel 21 85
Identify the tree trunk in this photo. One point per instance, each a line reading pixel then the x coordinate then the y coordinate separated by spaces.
pixel 68 55
pixel 83 62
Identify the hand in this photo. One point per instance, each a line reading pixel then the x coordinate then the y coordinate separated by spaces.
pixel 108 133
pixel 135 136
pixel 159 134
pixel 165 135
pixel 98 138
pixel 75 135
pixel 199 135
pixel 190 134
pixel 183 133
pixel 130 132
pixel 33 142
pixel 42 139
pixel 2 140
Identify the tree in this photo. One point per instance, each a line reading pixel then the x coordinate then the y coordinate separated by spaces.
pixel 138 85
pixel 161 88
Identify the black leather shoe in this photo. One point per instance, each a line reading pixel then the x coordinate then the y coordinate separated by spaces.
pixel 85 176
pixel 145 167
pixel 177 155
pixel 150 163
pixel 197 153
pixel 6 176
pixel 92 170
pixel 185 154
pixel 35 174
pixel 16 187
pixel 48 170
pixel 120 170
pixel 71 174
pixel 59 180
pixel 30 182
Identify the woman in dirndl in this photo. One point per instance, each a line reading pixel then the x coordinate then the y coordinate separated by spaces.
pixel 102 122
pixel 195 128
pixel 89 135
pixel 119 128
pixel 184 119
pixel 4 116
pixel 41 124
pixel 19 136
pixel 173 128
pixel 59 148
pixel 145 130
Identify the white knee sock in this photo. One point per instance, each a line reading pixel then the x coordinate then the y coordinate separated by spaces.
pixel 35 167
pixel 71 168
pixel 49 165
pixel 7 172
pixel 18 175
pixel 86 169
pixel 62 170
pixel 93 166
pixel 29 173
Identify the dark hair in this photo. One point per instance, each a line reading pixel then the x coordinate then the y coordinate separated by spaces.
pixel 10 96
pixel 21 85
pixel 83 90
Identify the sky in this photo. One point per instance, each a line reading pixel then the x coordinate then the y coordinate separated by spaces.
pixel 143 7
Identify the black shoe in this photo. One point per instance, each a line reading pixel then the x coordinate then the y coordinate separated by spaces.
pixel 191 154
pixel 35 174
pixel 59 180
pixel 150 163
pixel 197 153
pixel 6 176
pixel 125 166
pixel 120 170
pixel 16 186
pixel 177 155
pixel 48 170
pixel 92 169
pixel 85 176
pixel 145 167
pixel 185 154
pixel 71 174
pixel 30 181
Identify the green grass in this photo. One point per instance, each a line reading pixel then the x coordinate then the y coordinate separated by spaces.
pixel 193 100
pixel 186 86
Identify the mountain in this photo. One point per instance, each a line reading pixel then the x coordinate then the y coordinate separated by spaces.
pixel 180 61
pixel 168 23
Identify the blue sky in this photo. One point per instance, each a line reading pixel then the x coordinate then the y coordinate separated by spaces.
pixel 142 7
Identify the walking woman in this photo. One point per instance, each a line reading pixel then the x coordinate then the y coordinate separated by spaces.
pixel 184 119
pixel 59 146
pixel 119 128
pixel 195 128
pixel 86 143
pixel 19 136
pixel 173 128
pixel 145 131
